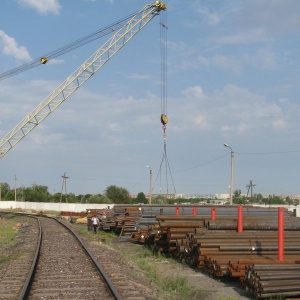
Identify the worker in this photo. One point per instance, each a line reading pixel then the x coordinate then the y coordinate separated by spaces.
pixel 95 222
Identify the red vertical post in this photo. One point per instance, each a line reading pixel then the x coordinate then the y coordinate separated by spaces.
pixel 194 211
pixel 213 213
pixel 177 211
pixel 280 233
pixel 240 219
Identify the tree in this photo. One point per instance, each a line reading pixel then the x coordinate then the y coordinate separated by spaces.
pixel 118 195
pixel 5 188
pixel 288 200
pixel 37 193
pixel 141 198
pixel 98 199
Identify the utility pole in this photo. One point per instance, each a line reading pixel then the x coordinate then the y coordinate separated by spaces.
pixel 250 187
pixel 231 172
pixel 0 191
pixel 150 190
pixel 15 179
pixel 64 185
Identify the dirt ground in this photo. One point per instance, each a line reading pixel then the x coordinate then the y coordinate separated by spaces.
pixel 204 287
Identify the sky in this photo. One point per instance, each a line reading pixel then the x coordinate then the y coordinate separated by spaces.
pixel 233 76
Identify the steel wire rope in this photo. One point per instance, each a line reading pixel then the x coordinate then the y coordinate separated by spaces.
pixel 163 52
pixel 164 102
pixel 69 47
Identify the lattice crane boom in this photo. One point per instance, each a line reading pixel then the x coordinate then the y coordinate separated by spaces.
pixel 81 75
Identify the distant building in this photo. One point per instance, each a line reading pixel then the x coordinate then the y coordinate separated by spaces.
pixel 222 196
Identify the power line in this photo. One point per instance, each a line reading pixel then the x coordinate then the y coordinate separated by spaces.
pixel 267 153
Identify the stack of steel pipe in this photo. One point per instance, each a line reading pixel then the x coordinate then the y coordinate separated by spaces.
pixel 254 223
pixel 107 219
pixel 148 213
pixel 215 245
pixel 273 280
pixel 173 231
pixel 127 222
pixel 249 244
pixel 151 213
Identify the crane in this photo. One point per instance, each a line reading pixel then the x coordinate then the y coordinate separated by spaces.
pixel 81 75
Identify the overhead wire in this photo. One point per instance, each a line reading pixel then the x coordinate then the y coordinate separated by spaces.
pixel 67 48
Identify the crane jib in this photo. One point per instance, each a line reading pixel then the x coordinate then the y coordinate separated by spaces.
pixel 121 37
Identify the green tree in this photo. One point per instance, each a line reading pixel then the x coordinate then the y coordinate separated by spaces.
pixel 37 193
pixel 98 199
pixel 5 188
pixel 288 200
pixel 118 195
pixel 141 198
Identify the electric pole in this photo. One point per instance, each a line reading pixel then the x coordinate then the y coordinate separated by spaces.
pixel 15 179
pixel 64 185
pixel 250 187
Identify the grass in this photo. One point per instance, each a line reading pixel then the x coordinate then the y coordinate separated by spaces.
pixel 145 260
pixel 8 239
pixel 175 285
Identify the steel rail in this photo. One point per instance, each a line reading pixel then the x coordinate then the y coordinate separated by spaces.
pixel 101 271
pixel 34 262
pixel 29 279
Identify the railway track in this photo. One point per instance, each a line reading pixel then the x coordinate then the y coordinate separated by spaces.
pixel 54 264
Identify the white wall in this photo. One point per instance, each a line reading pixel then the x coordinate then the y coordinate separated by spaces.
pixel 42 206
pixel 77 207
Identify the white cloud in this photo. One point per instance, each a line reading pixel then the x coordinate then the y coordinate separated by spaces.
pixel 253 35
pixel 279 124
pixel 56 61
pixel 259 21
pixel 139 76
pixel 10 47
pixel 227 63
pixel 42 6
pixel 263 58
pixel 195 92
pixel 212 18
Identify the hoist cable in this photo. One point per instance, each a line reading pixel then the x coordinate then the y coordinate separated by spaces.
pixel 164 98
pixel 69 47
pixel 167 170
pixel 163 51
pixel 168 166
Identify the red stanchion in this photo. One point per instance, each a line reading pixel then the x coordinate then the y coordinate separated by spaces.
pixel 213 213
pixel 240 219
pixel 194 211
pixel 280 233
pixel 177 211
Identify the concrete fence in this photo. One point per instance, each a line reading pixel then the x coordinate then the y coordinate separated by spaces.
pixel 78 207
pixel 43 206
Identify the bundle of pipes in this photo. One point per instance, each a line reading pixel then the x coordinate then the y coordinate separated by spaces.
pixel 225 252
pixel 139 236
pixel 124 219
pixel 171 231
pixel 254 223
pixel 188 210
pixel 147 214
pixel 250 243
pixel 273 280
pixel 106 216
